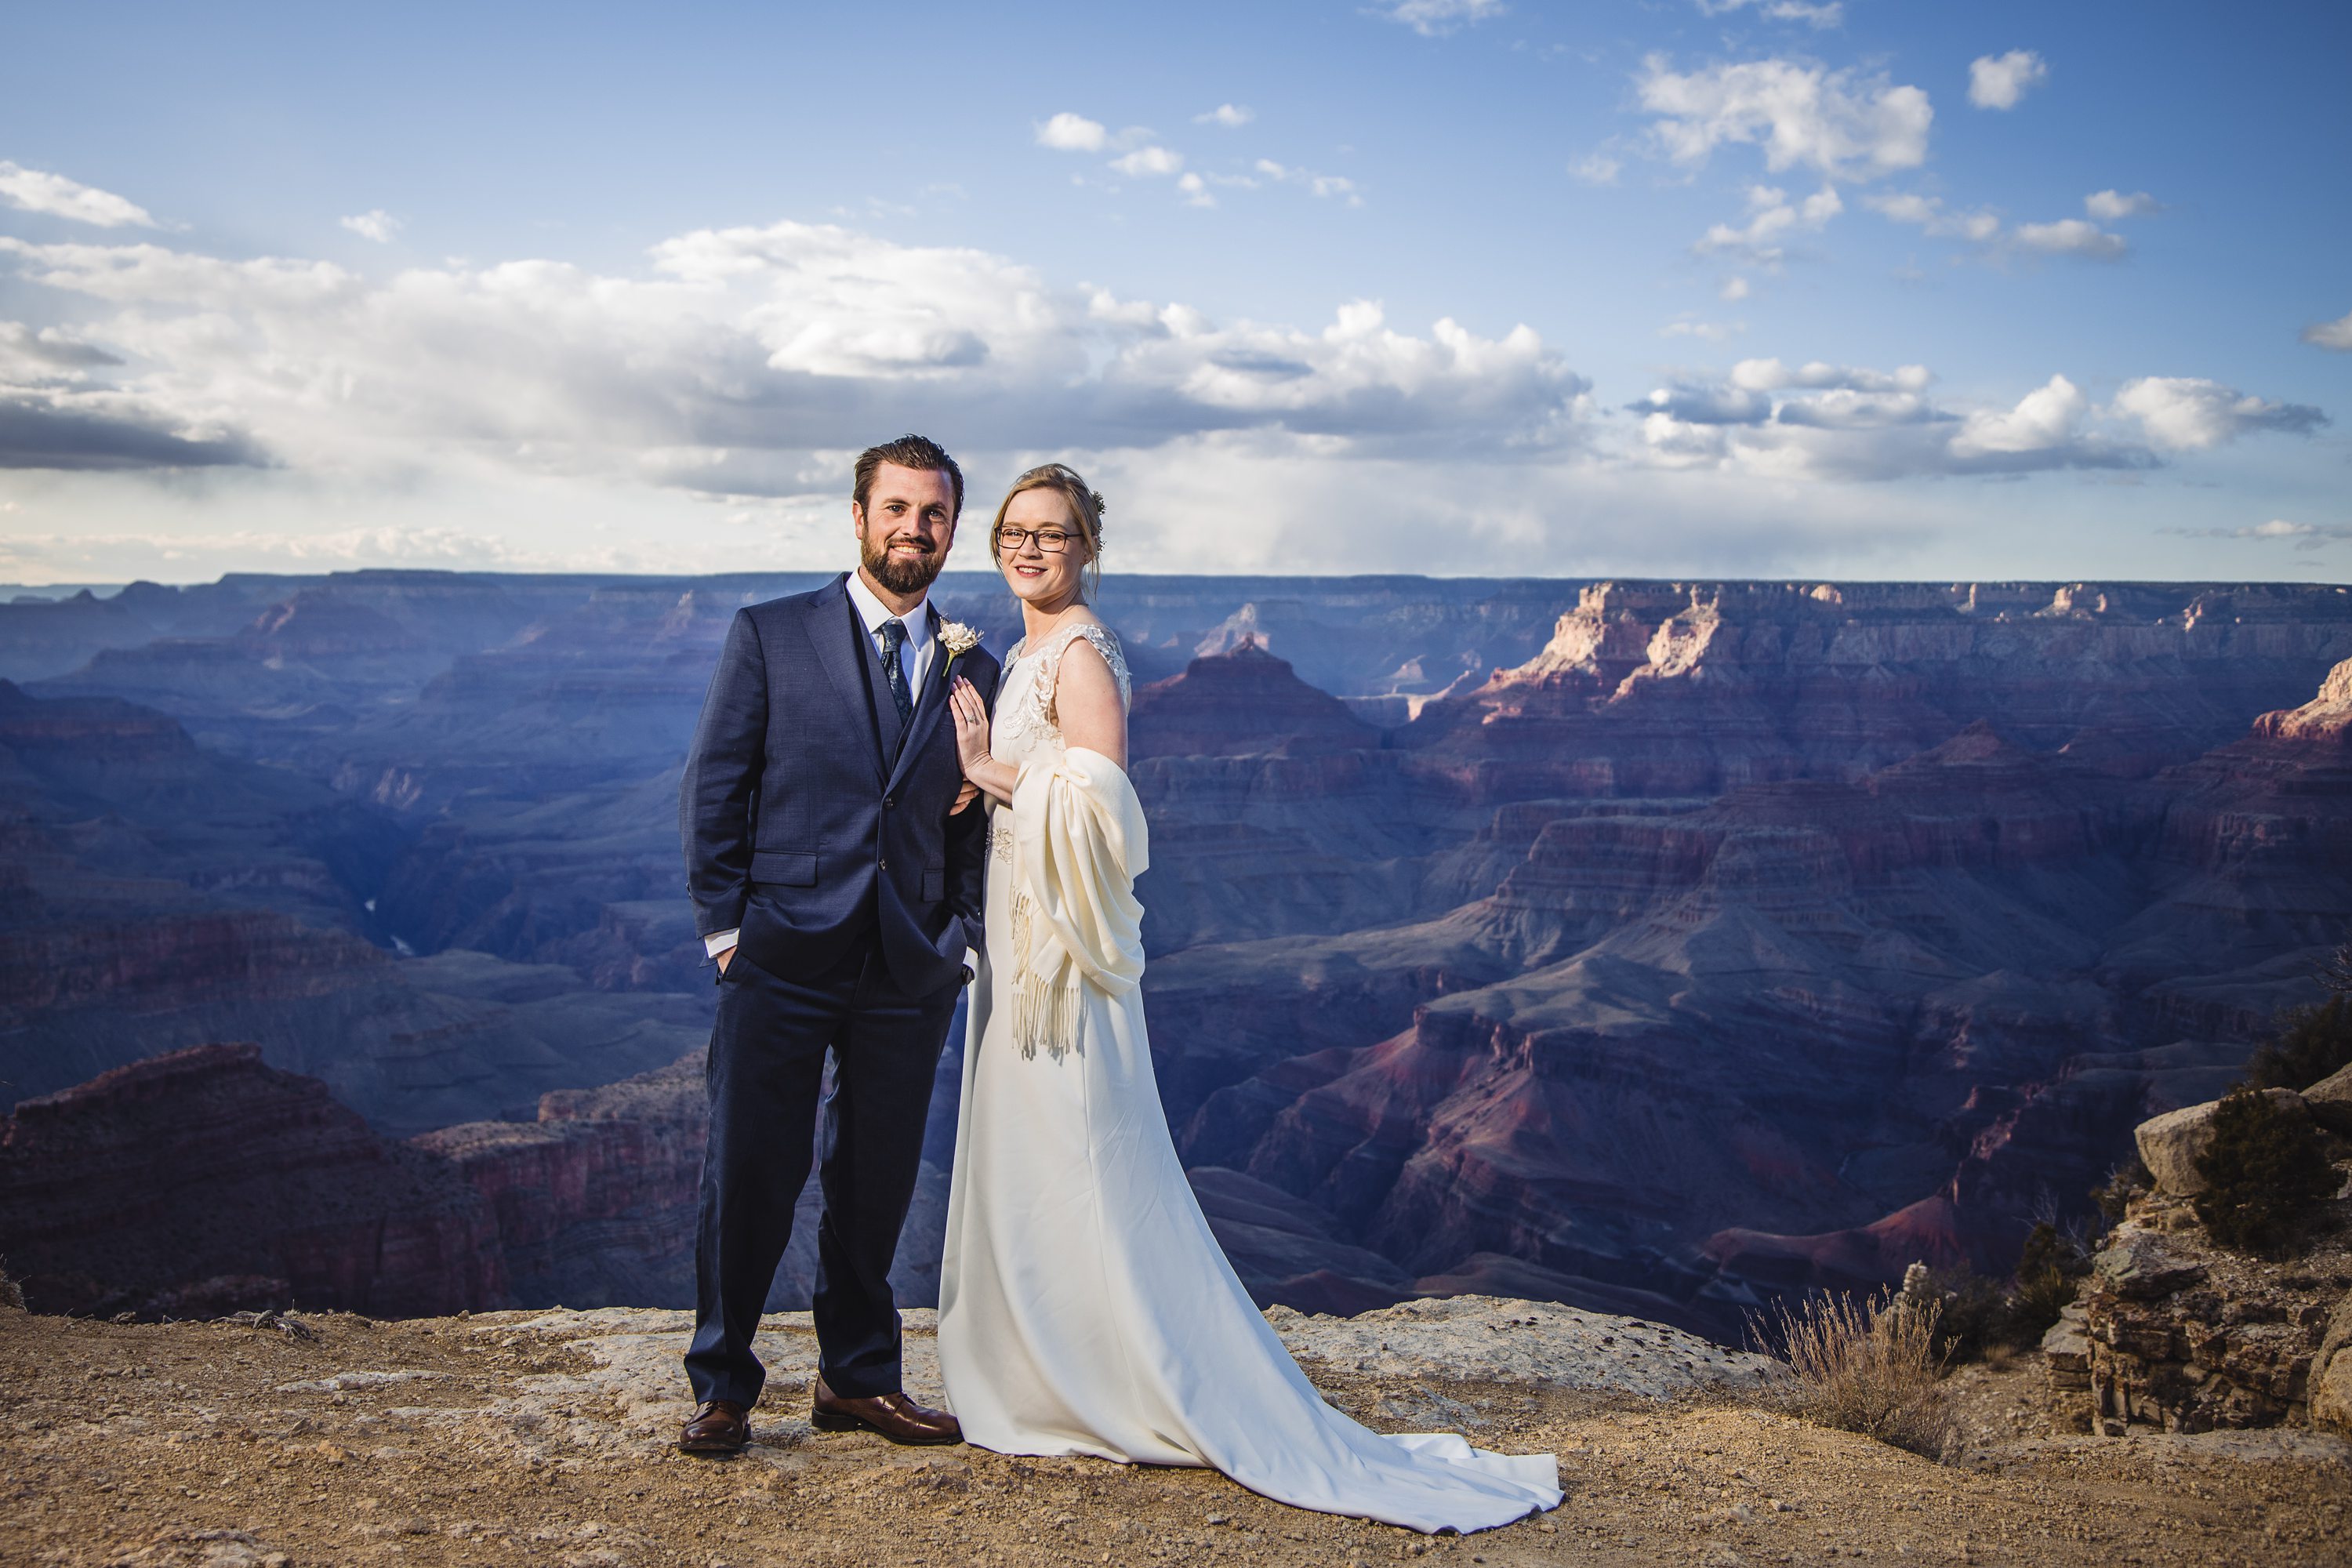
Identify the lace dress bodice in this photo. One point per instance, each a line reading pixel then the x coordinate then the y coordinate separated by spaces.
pixel 1025 718
pixel 1025 723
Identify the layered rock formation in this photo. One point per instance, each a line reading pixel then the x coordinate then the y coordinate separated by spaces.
pixel 1238 704
pixel 2175 1332
pixel 205 1182
pixel 1660 942
pixel 1273 808
pixel 1680 689
pixel 155 894
pixel 1912 1005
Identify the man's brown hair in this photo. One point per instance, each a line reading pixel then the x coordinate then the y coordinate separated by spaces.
pixel 908 452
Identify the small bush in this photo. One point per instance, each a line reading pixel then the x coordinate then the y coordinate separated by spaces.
pixel 2125 1183
pixel 1867 1366
pixel 12 1294
pixel 2335 968
pixel 2311 1042
pixel 2049 1271
pixel 1972 1311
pixel 2264 1173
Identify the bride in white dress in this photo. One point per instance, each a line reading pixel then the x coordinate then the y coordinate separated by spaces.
pixel 1084 1307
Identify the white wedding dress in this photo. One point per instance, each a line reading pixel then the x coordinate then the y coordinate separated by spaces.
pixel 1084 1307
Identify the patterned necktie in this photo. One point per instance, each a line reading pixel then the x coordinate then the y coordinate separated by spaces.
pixel 894 638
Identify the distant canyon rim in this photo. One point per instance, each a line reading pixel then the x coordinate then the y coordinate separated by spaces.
pixel 1650 947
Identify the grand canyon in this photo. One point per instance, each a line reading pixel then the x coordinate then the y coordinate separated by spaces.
pixel 1650 947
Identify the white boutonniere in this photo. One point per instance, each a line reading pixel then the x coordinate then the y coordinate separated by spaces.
pixel 957 639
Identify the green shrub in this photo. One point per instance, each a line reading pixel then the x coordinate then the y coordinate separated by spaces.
pixel 2264 1172
pixel 1972 1312
pixel 2311 1042
pixel 2125 1183
pixel 2048 1272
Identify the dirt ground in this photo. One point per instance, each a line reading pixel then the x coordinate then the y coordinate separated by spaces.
pixel 486 1441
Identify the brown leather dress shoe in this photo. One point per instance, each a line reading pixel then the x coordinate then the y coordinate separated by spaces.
pixel 894 1415
pixel 718 1427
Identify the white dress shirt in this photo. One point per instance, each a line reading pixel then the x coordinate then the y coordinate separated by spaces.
pixel 915 659
pixel 871 610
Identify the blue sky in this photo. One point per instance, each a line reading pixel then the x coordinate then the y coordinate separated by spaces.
pixel 1688 287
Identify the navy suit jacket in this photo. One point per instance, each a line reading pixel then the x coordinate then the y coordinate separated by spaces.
pixel 799 824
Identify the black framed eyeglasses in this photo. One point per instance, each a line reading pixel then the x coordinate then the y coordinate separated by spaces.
pixel 1011 541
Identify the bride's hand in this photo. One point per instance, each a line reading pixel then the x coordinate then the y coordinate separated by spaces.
pixel 994 779
pixel 971 725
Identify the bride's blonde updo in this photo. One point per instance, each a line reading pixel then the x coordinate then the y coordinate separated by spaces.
pixel 1085 504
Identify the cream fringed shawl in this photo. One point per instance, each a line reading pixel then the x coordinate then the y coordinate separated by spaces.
pixel 1079 841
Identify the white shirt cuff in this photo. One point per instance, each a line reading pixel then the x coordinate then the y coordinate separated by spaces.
pixel 719 941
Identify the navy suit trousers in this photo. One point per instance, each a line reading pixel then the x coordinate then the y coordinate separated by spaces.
pixel 766 1067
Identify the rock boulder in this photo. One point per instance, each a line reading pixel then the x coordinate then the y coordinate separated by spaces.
pixel 2330 1102
pixel 2170 1144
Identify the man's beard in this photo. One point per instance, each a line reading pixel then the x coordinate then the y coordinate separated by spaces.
pixel 900 574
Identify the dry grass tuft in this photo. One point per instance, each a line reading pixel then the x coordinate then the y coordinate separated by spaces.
pixel 1866 1366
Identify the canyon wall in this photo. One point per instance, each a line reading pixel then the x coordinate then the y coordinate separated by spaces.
pixel 1670 944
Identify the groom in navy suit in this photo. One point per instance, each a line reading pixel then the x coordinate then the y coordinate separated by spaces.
pixel 835 859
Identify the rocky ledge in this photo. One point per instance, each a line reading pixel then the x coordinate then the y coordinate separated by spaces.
pixel 2178 1334
pixel 541 1438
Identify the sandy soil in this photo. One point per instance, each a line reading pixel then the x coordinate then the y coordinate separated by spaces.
pixel 541 1438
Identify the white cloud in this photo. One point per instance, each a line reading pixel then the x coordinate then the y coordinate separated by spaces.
pixel 1067 133
pixel 1321 185
pixel 2071 236
pixel 740 352
pixel 1816 375
pixel 1433 18
pixel 1597 169
pixel 1196 191
pixel 1232 116
pixel 2335 334
pixel 1149 162
pixel 36 192
pixel 2109 205
pixel 1829 14
pixel 1706 406
pixel 1846 126
pixel 1822 422
pixel 1930 215
pixel 1689 326
pixel 2188 414
pixel 1998 81
pixel 2044 419
pixel 2067 237
pixel 2306 536
pixel 1734 288
pixel 50 354
pixel 1771 218
pixel 744 363
pixel 377 225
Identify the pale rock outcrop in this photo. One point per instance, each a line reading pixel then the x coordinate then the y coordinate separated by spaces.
pixel 2171 1144
pixel 2330 1102
pixel 630 1395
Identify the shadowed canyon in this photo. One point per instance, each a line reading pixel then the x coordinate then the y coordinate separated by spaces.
pixel 1649 947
